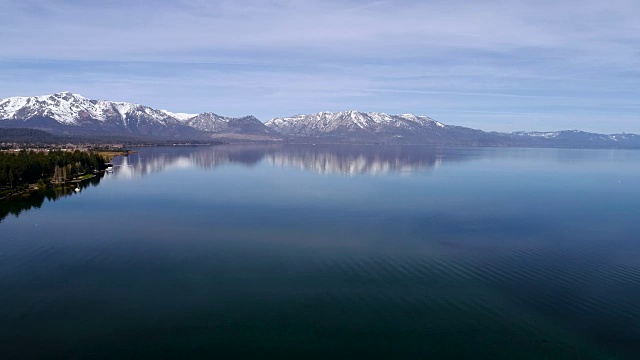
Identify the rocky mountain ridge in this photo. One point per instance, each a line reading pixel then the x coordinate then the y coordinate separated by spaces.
pixel 72 114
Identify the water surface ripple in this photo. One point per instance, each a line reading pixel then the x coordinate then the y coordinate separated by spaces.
pixel 330 251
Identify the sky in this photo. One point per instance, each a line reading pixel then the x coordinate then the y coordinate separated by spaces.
pixel 493 65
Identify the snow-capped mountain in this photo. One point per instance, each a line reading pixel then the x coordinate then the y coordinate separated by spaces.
pixel 73 109
pixel 179 116
pixel 351 121
pixel 72 113
pixel 377 127
pixel 577 138
pixel 214 123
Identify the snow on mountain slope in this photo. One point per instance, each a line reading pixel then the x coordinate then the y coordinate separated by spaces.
pixel 351 121
pixel 211 122
pixel 73 109
pixel 208 122
pixel 73 114
pixel 179 116
pixel 65 107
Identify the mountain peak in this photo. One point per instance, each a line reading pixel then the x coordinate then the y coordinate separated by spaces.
pixel 73 109
pixel 211 114
pixel 65 95
pixel 68 109
pixel 351 123
pixel 215 123
pixel 68 113
pixel 179 116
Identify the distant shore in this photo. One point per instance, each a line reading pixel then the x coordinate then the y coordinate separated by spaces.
pixel 111 154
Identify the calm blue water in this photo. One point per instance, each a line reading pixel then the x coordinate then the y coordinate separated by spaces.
pixel 343 251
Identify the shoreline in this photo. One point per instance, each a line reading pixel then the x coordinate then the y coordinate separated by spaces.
pixel 109 155
pixel 27 189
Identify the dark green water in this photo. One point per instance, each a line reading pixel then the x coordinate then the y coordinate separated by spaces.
pixel 330 252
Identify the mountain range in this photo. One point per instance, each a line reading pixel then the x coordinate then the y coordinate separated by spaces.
pixel 73 114
pixel 66 113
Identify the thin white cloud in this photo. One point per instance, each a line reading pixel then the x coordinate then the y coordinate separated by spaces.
pixel 276 57
pixel 61 29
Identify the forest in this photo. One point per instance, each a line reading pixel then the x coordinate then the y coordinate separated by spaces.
pixel 18 169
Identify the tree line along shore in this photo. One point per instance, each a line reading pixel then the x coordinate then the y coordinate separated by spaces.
pixel 27 170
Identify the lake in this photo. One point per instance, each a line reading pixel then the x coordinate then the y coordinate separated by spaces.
pixel 264 251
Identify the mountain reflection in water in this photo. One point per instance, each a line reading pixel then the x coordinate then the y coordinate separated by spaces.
pixel 331 252
pixel 323 159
